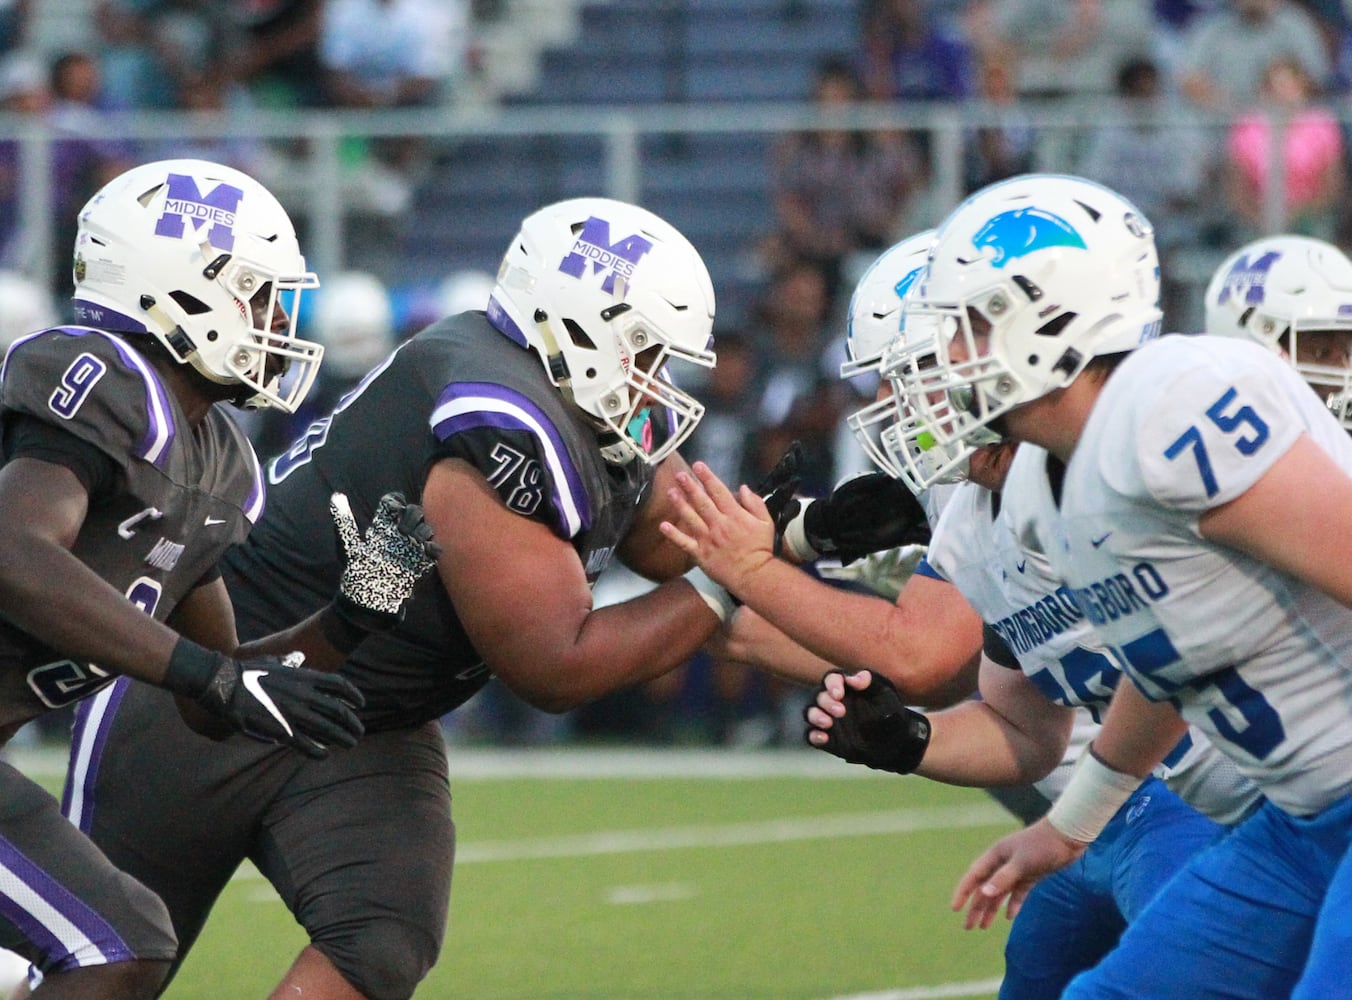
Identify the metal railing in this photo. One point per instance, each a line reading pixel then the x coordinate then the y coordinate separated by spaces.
pixel 318 182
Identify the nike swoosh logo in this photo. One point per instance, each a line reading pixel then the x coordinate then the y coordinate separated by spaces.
pixel 253 684
pixel 1096 542
pixel 213 520
pixel 1022 564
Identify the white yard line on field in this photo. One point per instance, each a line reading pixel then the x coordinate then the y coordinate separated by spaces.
pixel 778 831
pixel 573 763
pixel 978 988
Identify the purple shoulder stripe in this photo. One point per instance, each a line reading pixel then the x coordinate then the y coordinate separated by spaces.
pixel 464 406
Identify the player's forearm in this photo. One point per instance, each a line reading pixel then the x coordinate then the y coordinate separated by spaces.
pixel 308 637
pixel 972 745
pixel 1137 733
pixel 754 642
pixel 46 591
pixel 614 647
pixel 855 631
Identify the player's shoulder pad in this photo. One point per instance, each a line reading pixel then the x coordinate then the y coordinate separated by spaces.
pixel 96 386
pixel 522 447
pixel 1197 420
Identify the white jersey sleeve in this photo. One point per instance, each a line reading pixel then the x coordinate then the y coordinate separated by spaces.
pixel 1209 425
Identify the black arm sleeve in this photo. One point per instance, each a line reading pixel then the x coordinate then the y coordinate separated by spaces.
pixel 33 438
pixel 997 649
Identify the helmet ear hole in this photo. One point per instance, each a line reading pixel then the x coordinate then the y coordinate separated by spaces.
pixel 190 304
pixel 578 335
pixel 1054 326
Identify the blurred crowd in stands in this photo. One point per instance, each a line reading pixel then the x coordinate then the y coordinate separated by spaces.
pixel 1198 82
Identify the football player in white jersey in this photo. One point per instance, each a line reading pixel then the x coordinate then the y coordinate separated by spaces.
pixel 1019 731
pixel 1192 492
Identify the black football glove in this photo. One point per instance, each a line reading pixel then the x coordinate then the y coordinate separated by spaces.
pixel 876 730
pixel 780 483
pixel 382 565
pixel 869 513
pixel 265 698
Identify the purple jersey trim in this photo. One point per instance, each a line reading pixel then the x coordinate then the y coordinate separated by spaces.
pixel 503 323
pixel 89 736
pixel 464 406
pixel 91 928
pixel 158 440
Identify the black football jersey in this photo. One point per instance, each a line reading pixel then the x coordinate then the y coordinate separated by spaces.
pixel 457 389
pixel 182 495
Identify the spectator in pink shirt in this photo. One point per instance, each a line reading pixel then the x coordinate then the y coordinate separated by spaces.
pixel 1311 153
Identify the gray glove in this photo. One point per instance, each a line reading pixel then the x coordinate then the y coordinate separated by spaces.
pixel 382 565
pixel 884 573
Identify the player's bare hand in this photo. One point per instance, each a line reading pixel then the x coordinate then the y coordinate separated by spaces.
pixel 729 535
pixel 1009 869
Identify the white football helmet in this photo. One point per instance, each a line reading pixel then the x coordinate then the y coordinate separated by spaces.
pixel 875 322
pixel 354 320
pixel 1031 278
pixel 1279 289
pixel 25 307
pixel 607 293
pixel 198 255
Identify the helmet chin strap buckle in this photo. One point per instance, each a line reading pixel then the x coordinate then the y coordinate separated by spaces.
pixel 558 364
pixel 176 338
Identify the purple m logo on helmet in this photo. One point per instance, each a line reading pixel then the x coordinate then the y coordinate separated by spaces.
pixel 1247 278
pixel 185 203
pixel 593 244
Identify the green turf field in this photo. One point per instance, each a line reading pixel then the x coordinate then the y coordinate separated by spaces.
pixel 780 876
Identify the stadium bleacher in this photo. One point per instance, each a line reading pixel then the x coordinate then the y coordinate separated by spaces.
pixel 634 53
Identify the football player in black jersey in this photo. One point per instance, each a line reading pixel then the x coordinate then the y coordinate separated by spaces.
pixel 122 484
pixel 540 437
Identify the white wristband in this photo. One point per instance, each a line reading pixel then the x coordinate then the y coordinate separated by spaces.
pixel 795 535
pixel 715 595
pixel 1091 798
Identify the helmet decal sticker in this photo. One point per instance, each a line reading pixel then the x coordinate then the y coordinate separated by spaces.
pixel 185 203
pixel 1022 231
pixel 1248 279
pixel 904 285
pixel 593 244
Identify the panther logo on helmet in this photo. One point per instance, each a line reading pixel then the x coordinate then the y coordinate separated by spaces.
pixel 1024 231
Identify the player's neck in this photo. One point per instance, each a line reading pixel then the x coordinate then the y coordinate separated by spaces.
pixel 1056 420
pixel 190 389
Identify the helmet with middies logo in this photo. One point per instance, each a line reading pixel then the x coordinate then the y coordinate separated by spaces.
pixel 1293 295
pixel 204 259
pixel 607 294
pixel 1030 279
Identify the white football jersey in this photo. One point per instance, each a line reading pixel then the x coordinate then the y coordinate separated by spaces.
pixel 963 550
pixel 1255 658
pixel 1059 650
